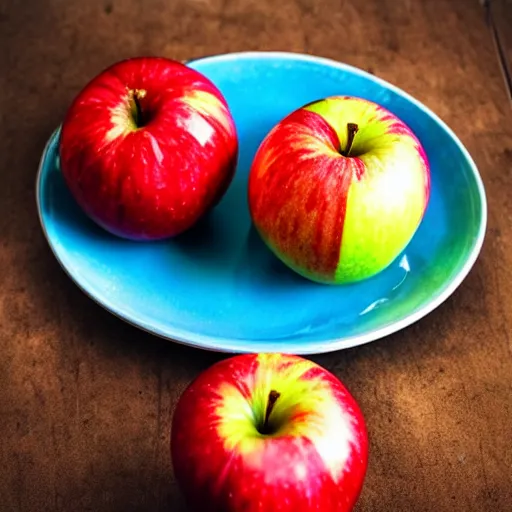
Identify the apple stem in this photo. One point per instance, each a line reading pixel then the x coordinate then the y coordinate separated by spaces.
pixel 135 96
pixel 352 129
pixel 136 113
pixel 272 399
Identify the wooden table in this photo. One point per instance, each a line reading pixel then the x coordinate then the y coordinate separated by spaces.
pixel 86 400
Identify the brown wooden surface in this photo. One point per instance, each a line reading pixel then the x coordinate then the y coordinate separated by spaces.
pixel 86 401
pixel 499 18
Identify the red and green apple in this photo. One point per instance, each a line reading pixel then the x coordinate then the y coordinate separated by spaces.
pixel 338 188
pixel 147 147
pixel 269 432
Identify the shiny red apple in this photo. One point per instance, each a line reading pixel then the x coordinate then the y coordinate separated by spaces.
pixel 268 433
pixel 148 147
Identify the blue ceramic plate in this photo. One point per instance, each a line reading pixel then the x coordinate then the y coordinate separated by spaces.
pixel 219 288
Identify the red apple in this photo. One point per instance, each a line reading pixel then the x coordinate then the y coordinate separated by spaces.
pixel 338 188
pixel 148 147
pixel 268 433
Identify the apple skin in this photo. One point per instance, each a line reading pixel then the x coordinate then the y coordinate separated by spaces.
pixel 334 218
pixel 147 147
pixel 313 458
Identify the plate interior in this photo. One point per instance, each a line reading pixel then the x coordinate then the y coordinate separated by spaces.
pixel 218 287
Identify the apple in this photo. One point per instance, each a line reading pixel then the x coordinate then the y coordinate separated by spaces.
pixel 338 188
pixel 268 433
pixel 147 147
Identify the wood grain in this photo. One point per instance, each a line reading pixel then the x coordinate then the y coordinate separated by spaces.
pixel 499 18
pixel 86 401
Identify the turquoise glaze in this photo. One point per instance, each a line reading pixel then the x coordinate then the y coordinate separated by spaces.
pixel 218 287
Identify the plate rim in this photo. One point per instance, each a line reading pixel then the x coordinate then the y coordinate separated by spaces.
pixel 233 345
